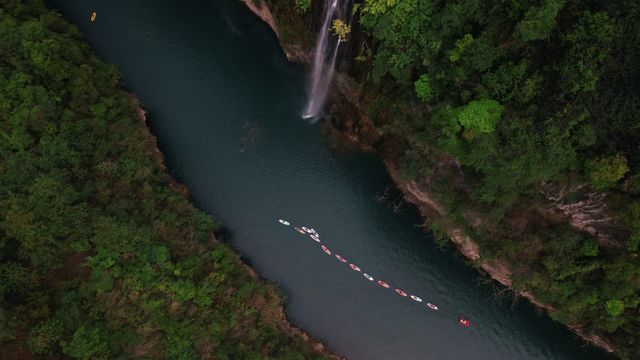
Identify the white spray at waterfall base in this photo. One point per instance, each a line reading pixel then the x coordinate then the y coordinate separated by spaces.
pixel 322 71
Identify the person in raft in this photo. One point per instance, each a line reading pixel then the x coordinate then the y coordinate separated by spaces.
pixel 464 322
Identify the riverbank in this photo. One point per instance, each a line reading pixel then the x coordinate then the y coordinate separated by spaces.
pixel 348 122
pixel 272 294
pixel 497 270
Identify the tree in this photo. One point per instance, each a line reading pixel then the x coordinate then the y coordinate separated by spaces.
pixel 539 21
pixel 604 172
pixel 481 115
pixel 302 6
pixel 45 337
pixel 423 88
pixel 340 29
pixel 615 307
pixel 88 343
pixel 461 45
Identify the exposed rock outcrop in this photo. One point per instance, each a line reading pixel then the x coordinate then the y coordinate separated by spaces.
pixel 585 212
pixel 294 52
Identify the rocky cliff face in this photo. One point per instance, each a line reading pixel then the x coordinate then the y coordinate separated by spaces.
pixel 294 52
pixel 347 121
pixel 584 209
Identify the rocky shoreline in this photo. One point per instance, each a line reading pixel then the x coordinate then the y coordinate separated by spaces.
pixel 362 133
pixel 497 270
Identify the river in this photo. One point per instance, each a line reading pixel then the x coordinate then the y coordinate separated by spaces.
pixel 225 106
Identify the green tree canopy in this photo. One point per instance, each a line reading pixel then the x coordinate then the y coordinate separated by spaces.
pixel 481 115
pixel 605 172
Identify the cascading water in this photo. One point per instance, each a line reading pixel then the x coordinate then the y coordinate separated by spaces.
pixel 322 71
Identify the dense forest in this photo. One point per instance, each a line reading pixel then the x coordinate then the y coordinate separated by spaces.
pixel 101 255
pixel 522 117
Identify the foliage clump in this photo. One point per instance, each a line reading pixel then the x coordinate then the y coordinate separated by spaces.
pixel 340 29
pixel 606 171
pixel 302 6
pixel 423 88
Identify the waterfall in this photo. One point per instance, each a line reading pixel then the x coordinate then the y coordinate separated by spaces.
pixel 322 71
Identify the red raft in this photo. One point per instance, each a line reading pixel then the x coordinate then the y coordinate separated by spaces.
pixel 464 322
pixel 401 293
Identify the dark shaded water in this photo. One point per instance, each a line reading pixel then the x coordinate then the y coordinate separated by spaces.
pixel 225 106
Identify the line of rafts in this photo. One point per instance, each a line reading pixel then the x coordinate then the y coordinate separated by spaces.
pixel 313 234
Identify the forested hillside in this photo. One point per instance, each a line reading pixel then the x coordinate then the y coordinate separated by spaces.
pixel 522 118
pixel 101 255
